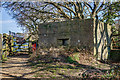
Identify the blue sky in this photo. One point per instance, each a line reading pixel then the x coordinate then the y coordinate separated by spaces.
pixel 7 23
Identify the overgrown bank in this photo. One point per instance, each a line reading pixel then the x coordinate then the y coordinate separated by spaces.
pixel 60 63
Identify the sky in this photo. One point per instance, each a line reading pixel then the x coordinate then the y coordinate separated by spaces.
pixel 7 23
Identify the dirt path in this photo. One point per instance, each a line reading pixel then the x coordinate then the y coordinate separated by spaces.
pixel 19 67
pixel 16 67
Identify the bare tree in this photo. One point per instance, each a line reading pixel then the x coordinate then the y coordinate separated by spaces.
pixel 31 14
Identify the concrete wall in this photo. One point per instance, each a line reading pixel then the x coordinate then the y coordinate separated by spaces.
pixel 76 33
pixel 87 33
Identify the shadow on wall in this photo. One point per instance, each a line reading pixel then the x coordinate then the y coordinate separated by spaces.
pixel 77 33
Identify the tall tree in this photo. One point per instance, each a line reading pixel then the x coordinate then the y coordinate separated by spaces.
pixel 31 14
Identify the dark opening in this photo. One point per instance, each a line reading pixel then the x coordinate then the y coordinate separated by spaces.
pixel 64 42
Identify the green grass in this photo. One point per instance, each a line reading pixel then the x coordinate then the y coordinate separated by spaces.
pixel 73 59
pixel 53 77
pixel 76 56
pixel 38 75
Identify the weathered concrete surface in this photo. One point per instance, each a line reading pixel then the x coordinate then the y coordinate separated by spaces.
pixel 87 33
pixel 76 33
pixel 115 55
